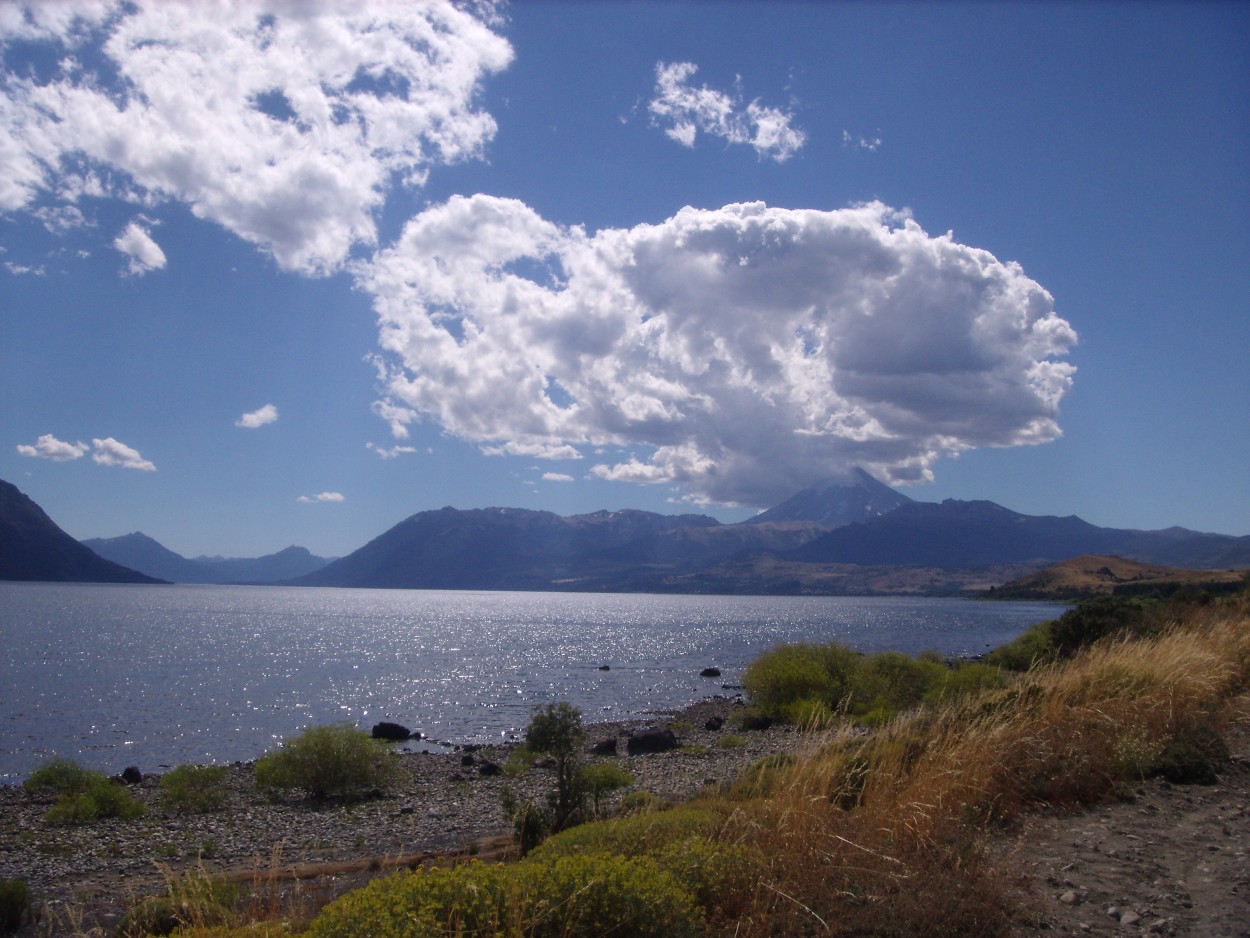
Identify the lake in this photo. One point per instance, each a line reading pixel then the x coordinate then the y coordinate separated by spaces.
pixel 155 676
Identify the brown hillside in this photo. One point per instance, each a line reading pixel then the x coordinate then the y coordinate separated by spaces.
pixel 1092 575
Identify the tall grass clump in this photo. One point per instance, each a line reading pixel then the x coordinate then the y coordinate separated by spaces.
pixel 336 761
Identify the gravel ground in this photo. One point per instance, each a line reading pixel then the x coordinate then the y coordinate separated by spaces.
pixel 443 805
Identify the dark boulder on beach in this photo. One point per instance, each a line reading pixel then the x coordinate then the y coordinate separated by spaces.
pixel 605 747
pixel 756 721
pixel 489 768
pixel 132 776
pixel 710 672
pixel 392 732
pixel 646 742
pixel 713 724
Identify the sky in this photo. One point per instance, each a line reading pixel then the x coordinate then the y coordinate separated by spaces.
pixel 286 273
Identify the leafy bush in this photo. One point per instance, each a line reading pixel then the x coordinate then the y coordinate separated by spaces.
pixel 60 777
pixel 890 682
pixel 82 795
pixel 719 877
pixel 15 905
pixel 196 789
pixel 634 835
pixel 556 729
pixel 1034 646
pixel 1097 618
pixel 570 897
pixel 788 674
pixel 330 761
pixel 600 779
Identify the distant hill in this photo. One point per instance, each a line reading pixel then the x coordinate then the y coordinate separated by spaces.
pixel 504 548
pixel 837 501
pixel 958 534
pixel 1092 575
pixel 32 547
pixel 140 552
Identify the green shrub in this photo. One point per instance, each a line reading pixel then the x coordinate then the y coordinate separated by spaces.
pixel 788 674
pixel 104 799
pixel 196 789
pixel 1098 618
pixel 890 682
pixel 15 905
pixel 601 778
pixel 719 877
pixel 1193 754
pixel 60 777
pixel 82 795
pixel 642 802
pixel 731 741
pixel 330 761
pixel 571 897
pixel 633 835
pixel 1032 647
pixel 556 729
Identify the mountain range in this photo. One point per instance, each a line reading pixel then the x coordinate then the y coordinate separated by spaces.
pixel 140 552
pixel 851 534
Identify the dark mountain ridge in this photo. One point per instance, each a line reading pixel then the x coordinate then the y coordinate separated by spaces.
pixel 32 547
pixel 963 534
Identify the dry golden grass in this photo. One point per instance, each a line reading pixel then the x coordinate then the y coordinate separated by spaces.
pixel 883 835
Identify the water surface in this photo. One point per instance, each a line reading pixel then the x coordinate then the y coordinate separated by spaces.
pixel 159 675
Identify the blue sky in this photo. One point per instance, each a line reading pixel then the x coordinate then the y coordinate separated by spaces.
pixel 278 274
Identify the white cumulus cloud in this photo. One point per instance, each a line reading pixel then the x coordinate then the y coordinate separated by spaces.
pixel 321 497
pixel 286 123
pixel 258 418
pixel 109 452
pixel 740 353
pixel 683 111
pixel 557 477
pixel 49 447
pixel 144 253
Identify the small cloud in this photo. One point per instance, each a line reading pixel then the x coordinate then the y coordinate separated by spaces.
pixel 391 453
pixel 109 452
pixel 556 477
pixel 682 110
pixel 862 143
pixel 322 497
pixel 19 270
pixel 49 447
pixel 145 254
pixel 258 418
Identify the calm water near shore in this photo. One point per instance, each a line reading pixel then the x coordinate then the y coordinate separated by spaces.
pixel 156 676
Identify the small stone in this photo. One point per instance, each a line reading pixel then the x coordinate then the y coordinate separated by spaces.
pixel 1068 898
pixel 1113 912
pixel 1130 918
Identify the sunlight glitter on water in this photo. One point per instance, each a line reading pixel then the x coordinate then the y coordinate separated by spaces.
pixel 193 673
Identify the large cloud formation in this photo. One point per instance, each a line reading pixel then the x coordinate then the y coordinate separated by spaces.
pixel 286 123
pixel 740 352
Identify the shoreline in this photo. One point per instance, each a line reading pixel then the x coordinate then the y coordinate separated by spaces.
pixel 443 806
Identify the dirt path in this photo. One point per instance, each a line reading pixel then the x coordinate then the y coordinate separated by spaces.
pixel 1173 862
